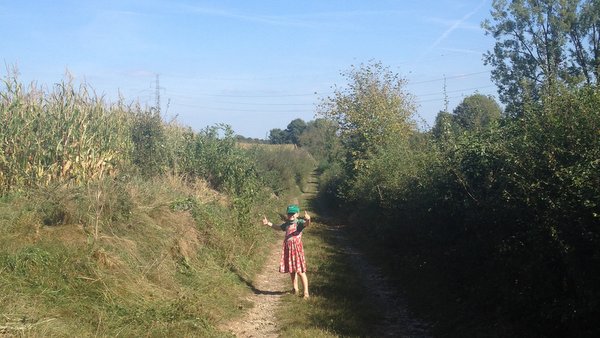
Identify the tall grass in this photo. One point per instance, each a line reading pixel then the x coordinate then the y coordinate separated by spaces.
pixel 171 261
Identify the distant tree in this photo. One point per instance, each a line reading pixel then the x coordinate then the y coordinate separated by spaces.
pixel 477 111
pixel 540 44
pixel 244 139
pixel 294 130
pixel 278 136
pixel 320 139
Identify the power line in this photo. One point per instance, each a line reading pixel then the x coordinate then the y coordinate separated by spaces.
pixel 271 104
pixel 451 77
pixel 312 104
pixel 237 109
pixel 316 92
pixel 223 109
pixel 312 94
pixel 457 90
pixel 267 104
pixel 246 96
pixel 439 99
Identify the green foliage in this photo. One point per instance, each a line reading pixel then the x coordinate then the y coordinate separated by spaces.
pixel 158 272
pixel 291 135
pixel 284 170
pixel 477 112
pixel 148 137
pixel 445 127
pixel 251 140
pixel 295 129
pixel 68 137
pixel 514 214
pixel 320 139
pixel 474 114
pixel 96 227
pixel 180 149
pixel 278 136
pixel 498 227
pixel 331 181
pixel 374 118
pixel 212 154
pixel 371 111
pixel 541 44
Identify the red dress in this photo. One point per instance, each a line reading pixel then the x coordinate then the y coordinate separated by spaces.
pixel 292 257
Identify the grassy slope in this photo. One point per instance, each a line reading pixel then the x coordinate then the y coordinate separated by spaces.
pixel 156 272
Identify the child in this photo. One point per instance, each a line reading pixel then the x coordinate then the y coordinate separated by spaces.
pixel 292 257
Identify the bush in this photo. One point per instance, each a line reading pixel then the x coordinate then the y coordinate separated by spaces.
pixel 285 169
pixel 502 225
pixel 149 143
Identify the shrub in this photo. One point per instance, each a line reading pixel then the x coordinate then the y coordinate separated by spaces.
pixel 504 222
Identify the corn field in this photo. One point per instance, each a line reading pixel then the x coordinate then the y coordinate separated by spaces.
pixel 64 135
pixel 70 136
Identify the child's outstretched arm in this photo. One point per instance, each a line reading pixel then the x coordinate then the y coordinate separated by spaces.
pixel 266 222
pixel 306 219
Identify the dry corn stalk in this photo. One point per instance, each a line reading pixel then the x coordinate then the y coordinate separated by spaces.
pixel 65 135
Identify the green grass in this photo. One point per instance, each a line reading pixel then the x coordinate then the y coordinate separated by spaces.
pixel 338 304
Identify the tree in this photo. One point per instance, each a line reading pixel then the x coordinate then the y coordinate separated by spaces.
pixel 476 111
pixel 294 130
pixel 290 135
pixel 540 44
pixel 444 126
pixel 277 136
pixel 370 112
pixel 320 139
pixel 584 34
pixel 245 139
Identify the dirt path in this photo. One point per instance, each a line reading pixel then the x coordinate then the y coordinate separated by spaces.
pixel 270 286
pixel 396 320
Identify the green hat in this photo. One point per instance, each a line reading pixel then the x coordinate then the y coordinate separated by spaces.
pixel 292 209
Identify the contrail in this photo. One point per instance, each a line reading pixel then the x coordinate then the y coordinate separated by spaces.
pixel 454 26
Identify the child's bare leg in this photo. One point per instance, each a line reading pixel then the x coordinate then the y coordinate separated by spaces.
pixel 294 282
pixel 304 283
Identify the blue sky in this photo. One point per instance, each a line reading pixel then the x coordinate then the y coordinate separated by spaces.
pixel 255 65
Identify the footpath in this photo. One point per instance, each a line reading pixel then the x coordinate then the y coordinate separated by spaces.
pixel 270 286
